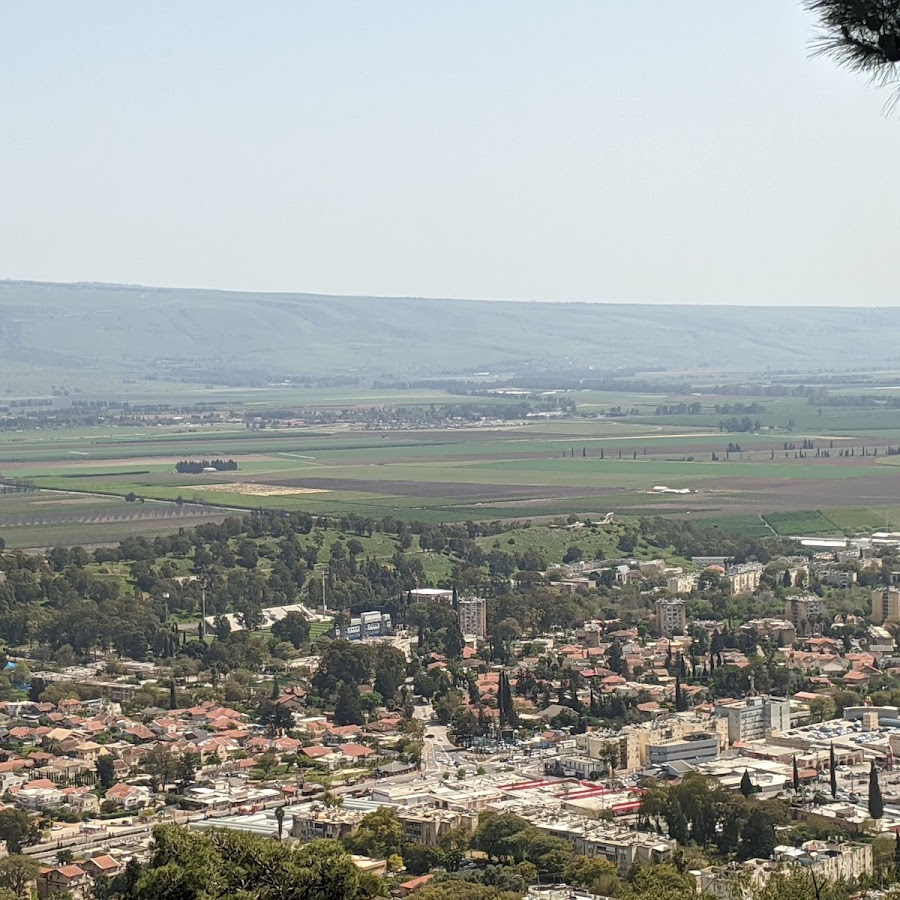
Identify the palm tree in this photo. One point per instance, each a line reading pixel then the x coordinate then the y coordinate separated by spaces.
pixel 279 817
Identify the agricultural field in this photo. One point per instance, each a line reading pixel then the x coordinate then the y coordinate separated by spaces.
pixel 804 471
pixel 48 519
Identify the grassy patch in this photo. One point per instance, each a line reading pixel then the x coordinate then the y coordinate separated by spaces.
pixel 800 523
pixel 855 519
pixel 749 526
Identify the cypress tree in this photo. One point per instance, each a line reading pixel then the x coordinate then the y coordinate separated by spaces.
pixel 796 777
pixel 276 690
pixel 504 701
pixel 347 710
pixel 876 804
pixel 680 701
pixel 510 709
pixel 833 774
pixel 173 702
pixel 454 642
pixel 746 784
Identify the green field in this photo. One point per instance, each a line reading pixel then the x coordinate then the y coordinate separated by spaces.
pixel 749 526
pixel 589 464
pixel 799 523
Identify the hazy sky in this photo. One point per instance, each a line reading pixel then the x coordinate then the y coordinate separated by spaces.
pixel 572 150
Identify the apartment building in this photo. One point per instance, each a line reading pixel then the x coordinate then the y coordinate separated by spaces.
pixel 424 825
pixel 745 578
pixel 681 584
pixel 671 616
pixel 827 861
pixel 473 617
pixel 834 576
pixel 781 631
pixel 315 823
pixel 886 605
pixel 802 610
pixel 71 881
pixel 832 861
pixel 755 718
pixel 879 641
pixel 617 845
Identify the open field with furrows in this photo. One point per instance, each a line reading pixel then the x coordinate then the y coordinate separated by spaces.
pixel 49 519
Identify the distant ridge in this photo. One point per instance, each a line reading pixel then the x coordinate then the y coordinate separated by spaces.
pixel 75 333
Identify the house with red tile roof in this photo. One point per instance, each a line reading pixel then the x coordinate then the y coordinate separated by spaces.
pixel 408 887
pixel 102 864
pixel 72 879
pixel 356 751
pixel 317 751
pixel 128 796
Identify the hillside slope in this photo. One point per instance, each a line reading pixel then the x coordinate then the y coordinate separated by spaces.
pixel 69 333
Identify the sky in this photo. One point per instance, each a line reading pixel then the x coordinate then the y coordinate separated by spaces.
pixel 581 150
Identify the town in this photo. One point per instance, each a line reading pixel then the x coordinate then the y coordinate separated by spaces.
pixel 719 724
pixel 450 451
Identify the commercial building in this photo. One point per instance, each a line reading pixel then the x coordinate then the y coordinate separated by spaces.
pixel 629 747
pixel 886 605
pixel 692 747
pixel 802 611
pixel 755 718
pixel 671 617
pixel 430 595
pixel 366 625
pixel 473 617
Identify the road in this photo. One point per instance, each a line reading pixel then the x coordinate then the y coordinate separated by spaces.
pixel 436 750
pixel 436 746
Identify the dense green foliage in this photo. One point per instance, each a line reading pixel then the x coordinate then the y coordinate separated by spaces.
pixel 225 865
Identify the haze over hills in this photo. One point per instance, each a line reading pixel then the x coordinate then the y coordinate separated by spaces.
pixel 69 334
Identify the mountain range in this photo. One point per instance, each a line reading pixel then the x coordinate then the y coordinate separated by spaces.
pixel 74 333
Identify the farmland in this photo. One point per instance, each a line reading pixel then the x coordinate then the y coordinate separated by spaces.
pixel 804 470
pixel 47 519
